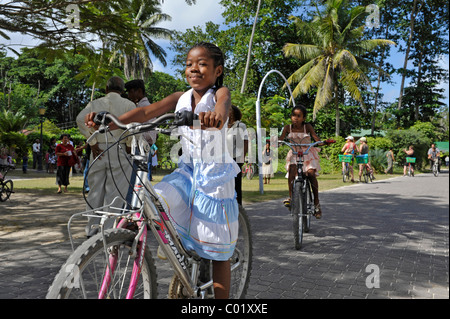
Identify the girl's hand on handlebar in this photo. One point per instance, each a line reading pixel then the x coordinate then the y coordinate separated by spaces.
pixel 89 120
pixel 211 119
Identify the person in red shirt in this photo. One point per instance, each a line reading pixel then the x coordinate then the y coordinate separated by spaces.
pixel 64 151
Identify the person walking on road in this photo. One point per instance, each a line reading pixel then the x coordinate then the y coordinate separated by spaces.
pixel 36 153
pixel 64 151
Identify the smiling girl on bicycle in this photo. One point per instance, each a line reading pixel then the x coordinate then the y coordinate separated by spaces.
pixel 200 196
pixel 301 133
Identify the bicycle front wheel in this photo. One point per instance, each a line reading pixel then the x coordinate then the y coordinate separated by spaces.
pixel 297 213
pixel 82 276
pixel 241 261
pixel 435 170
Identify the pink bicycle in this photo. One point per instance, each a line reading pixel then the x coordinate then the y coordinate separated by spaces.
pixel 116 263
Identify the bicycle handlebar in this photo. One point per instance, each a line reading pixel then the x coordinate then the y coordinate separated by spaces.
pixel 103 119
pixel 309 145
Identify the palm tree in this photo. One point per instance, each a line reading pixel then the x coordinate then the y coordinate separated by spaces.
pixel 146 14
pixel 332 48
pixel 11 121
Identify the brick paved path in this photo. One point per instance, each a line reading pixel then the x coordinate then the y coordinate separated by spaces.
pixel 399 226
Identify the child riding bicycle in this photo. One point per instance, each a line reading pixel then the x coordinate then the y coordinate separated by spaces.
pixel 350 148
pixel 301 132
pixel 201 191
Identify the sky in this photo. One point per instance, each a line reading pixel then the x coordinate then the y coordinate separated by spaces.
pixel 186 17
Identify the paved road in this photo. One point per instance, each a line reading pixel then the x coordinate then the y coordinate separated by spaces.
pixel 397 227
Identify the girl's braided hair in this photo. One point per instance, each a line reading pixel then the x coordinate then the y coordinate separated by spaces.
pixel 217 55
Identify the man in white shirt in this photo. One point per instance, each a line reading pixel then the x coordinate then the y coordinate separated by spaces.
pixel 36 153
pixel 136 93
pixel 434 154
pixel 106 172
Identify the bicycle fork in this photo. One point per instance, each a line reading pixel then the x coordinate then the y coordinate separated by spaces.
pixel 137 252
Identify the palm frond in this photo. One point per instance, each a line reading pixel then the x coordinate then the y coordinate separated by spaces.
pixel 355 13
pixel 155 19
pixel 324 91
pixel 301 51
pixel 345 59
pixel 314 77
pixel 367 46
pixel 298 75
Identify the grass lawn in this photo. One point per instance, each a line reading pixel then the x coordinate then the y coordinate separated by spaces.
pixel 277 189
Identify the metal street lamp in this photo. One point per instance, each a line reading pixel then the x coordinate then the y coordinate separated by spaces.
pixel 258 123
pixel 41 151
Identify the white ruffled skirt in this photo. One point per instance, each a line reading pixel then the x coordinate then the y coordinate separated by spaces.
pixel 201 202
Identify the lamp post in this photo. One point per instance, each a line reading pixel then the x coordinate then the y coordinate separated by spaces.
pixel 258 124
pixel 41 151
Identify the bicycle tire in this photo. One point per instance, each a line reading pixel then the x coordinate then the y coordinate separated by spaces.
pixel 365 174
pixel 85 260
pixel 309 207
pixel 240 277
pixel 297 211
pixel 346 174
pixel 6 188
pixel 435 170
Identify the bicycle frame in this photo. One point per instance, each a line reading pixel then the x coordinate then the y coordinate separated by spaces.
pixel 147 212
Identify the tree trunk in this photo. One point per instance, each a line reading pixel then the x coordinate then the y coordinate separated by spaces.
pixel 247 66
pixel 417 103
pixel 408 48
pixel 376 104
pixel 336 107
